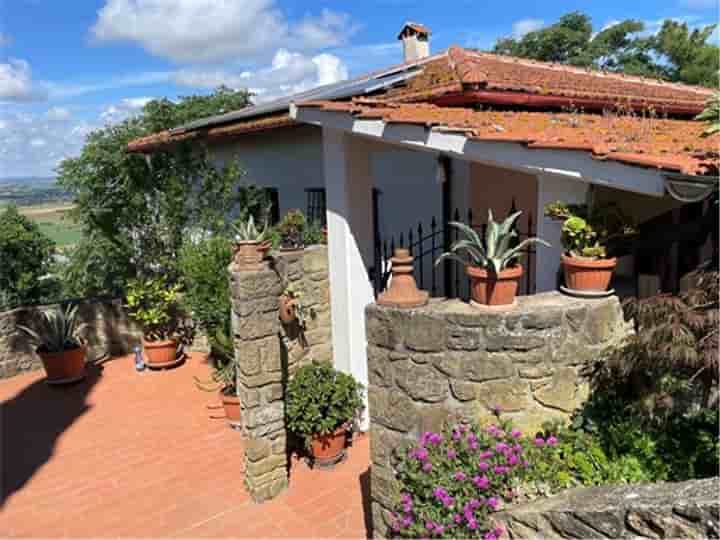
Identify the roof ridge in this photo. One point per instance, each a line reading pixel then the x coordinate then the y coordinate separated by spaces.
pixel 580 70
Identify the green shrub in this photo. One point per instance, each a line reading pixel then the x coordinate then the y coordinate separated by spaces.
pixel 321 399
pixel 292 229
pixel 203 269
pixel 152 303
pixel 25 255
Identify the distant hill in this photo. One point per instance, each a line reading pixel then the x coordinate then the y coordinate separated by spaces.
pixel 29 181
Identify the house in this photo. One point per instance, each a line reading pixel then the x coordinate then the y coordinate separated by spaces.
pixel 457 133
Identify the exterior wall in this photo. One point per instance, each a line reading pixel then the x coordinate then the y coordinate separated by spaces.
pixel 449 361
pixel 110 332
pixel 289 159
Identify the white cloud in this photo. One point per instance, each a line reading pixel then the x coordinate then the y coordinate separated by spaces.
pixel 212 30
pixel 289 73
pixel 58 114
pixel 16 82
pixel 125 108
pixel 524 26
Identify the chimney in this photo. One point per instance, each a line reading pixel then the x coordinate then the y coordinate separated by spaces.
pixel 416 41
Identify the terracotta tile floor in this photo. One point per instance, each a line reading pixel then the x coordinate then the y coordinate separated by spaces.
pixel 124 454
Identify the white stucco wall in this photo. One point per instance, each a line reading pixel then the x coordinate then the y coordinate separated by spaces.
pixel 289 159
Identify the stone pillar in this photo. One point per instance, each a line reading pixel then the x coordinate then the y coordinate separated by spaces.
pixel 261 379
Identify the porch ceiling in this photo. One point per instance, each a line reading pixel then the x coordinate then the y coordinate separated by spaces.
pixel 627 153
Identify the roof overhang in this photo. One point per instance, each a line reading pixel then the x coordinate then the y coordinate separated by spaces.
pixel 568 163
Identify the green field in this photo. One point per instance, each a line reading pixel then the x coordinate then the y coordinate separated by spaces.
pixel 55 222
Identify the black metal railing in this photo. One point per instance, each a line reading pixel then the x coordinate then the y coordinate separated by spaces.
pixel 427 242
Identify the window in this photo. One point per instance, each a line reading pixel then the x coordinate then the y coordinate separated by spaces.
pixel 316 206
pixel 273 198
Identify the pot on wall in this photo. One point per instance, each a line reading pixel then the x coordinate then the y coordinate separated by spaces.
pixel 286 309
pixel 250 253
pixel 329 449
pixel 588 274
pixel 68 365
pixel 490 289
pixel 231 405
pixel 160 353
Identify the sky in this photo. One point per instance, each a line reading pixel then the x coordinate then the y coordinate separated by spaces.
pixel 71 66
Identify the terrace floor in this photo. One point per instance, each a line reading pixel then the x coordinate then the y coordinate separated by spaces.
pixel 123 454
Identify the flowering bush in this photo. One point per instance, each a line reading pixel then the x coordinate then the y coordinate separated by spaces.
pixel 452 481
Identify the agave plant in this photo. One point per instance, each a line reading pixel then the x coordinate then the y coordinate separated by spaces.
pixel 61 330
pixel 247 231
pixel 496 252
pixel 225 367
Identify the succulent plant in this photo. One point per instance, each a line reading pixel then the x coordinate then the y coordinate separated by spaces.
pixel 247 231
pixel 496 252
pixel 61 330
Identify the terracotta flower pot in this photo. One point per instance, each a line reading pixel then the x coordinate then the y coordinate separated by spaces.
pixel 160 352
pixel 231 404
pixel 587 274
pixel 69 364
pixel 329 448
pixel 286 309
pixel 491 290
pixel 250 254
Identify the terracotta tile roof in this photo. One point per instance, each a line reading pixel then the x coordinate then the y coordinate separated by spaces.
pixel 674 145
pixel 152 142
pixel 419 28
pixel 468 77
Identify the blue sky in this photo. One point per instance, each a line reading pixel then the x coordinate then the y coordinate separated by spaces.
pixel 70 66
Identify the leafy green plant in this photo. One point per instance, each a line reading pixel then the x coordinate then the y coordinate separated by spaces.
pixel 302 312
pixel 292 229
pixel 247 231
pixel 711 115
pixel 225 367
pixel 587 231
pixel 203 269
pixel 313 234
pixel 61 330
pixel 321 399
pixel 152 303
pixel 26 254
pixel 497 252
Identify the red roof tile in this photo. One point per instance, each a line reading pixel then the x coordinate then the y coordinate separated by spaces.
pixel 673 145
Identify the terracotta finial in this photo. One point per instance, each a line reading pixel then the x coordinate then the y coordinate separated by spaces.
pixel 403 291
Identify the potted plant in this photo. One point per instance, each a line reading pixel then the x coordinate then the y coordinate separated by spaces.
pixel 585 236
pixel 321 404
pixel 224 377
pixel 491 264
pixel 292 230
pixel 251 243
pixel 59 344
pixel 291 307
pixel 152 304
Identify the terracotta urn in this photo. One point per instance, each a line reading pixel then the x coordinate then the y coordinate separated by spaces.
pixel 588 274
pixel 329 448
pixel 489 289
pixel 67 365
pixel 231 405
pixel 250 254
pixel 403 291
pixel 160 352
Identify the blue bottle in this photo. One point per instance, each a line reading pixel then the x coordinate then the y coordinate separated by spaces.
pixel 139 362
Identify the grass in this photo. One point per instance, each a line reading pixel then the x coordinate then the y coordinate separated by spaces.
pixel 55 222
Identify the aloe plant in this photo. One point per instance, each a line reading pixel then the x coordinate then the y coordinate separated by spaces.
pixel 247 231
pixel 61 330
pixel 496 252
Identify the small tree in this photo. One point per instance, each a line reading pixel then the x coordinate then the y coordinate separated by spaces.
pixel 25 255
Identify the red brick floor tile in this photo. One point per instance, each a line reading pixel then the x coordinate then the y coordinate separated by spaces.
pixel 124 454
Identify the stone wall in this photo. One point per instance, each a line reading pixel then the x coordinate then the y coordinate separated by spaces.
pixel 268 353
pixel 665 510
pixel 110 332
pixel 449 360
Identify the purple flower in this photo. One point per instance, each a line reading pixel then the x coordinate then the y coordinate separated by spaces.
pixel 459 476
pixel 517 448
pixel 451 454
pixel 472 524
pixel 487 454
pixel 516 433
pixel 473 504
pixel 430 526
pixel 513 460
pixel 435 439
pixel 421 454
pixel 501 447
pixel 526 463
pixel 473 445
pixel 539 441
pixel 481 482
pixel 498 531
pixel 407 521
pixel 427 466
pixel 483 465
pixel 492 502
pixel 489 536
pixel 439 530
pixel 500 469
pixel 457 518
pixel 552 440
pixel 456 434
pixel 440 492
